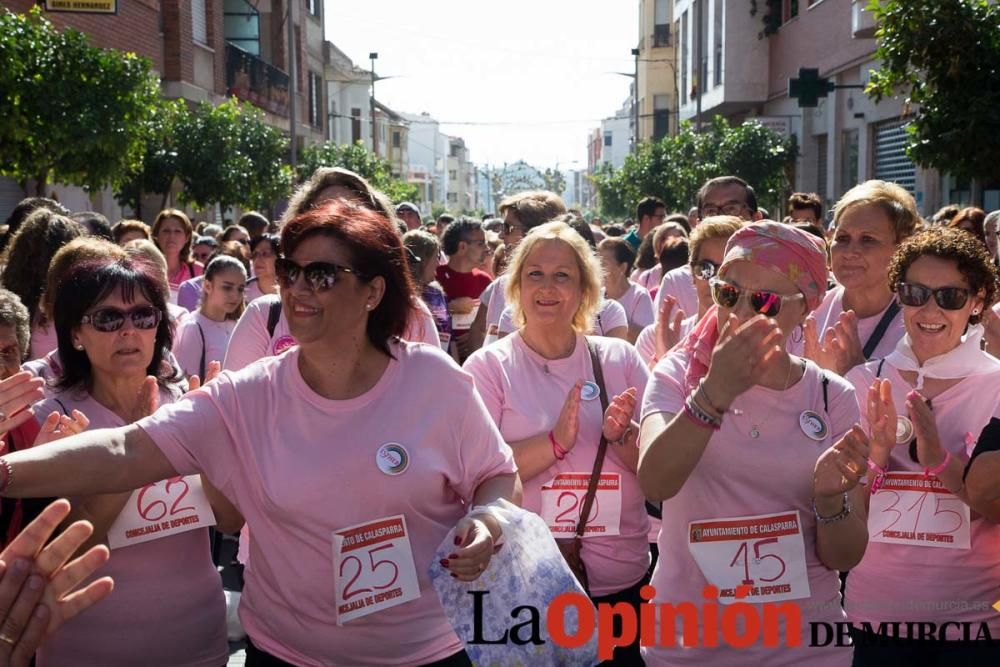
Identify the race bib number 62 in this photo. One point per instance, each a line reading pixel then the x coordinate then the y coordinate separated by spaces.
pixel 168 507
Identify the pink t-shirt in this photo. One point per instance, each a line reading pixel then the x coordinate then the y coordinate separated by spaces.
pixel 167 607
pixel 43 340
pixel 645 344
pixel 738 476
pixel 524 400
pixel 638 305
pixel 610 316
pixel 196 334
pixel 250 340
pixel 679 283
pixel 299 467
pixel 906 582
pixel 826 317
pixel 648 279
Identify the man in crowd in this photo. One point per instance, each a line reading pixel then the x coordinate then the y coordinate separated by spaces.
pixel 806 207
pixel 464 243
pixel 409 214
pixel 725 195
pixel 650 212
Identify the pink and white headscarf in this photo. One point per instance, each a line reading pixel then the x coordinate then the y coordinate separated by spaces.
pixel 781 248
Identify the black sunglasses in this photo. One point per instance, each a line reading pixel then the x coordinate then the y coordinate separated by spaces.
pixel 109 319
pixel 320 276
pixel 509 228
pixel 705 269
pixel 764 302
pixel 948 298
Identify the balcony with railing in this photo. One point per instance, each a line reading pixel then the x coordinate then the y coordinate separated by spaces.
pixel 253 79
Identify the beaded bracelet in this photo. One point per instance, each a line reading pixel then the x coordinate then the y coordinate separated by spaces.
pixel 699 416
pixel 880 473
pixel 6 475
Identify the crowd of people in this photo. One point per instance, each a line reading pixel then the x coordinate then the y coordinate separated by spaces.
pixel 703 407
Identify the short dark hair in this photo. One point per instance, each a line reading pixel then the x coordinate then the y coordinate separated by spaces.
pixel 90 282
pixel 648 206
pixel 621 249
pixel 273 239
pixel 803 200
pixel 722 181
pixel 375 250
pixel 458 231
pixel 533 208
pixel 969 254
pixel 123 227
pixel 973 216
pixel 255 223
pixel 614 229
pixel 14 314
pixel 96 224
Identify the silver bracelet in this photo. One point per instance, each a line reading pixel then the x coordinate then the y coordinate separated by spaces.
pixel 842 514
pixel 6 475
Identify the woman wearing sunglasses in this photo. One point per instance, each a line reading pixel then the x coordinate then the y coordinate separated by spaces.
pixel 113 332
pixel 860 320
pixel 542 386
pixel 263 252
pixel 755 455
pixel 928 404
pixel 203 336
pixel 617 257
pixel 349 472
pixel 707 247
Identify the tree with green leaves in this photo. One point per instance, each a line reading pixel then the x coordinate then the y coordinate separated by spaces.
pixel 155 172
pixel 673 168
pixel 228 155
pixel 944 55
pixel 361 161
pixel 73 113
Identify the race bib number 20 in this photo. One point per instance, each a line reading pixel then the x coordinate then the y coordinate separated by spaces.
pixel 765 553
pixel 562 502
pixel 373 568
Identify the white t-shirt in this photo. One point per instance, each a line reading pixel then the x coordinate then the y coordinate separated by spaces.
pixel 645 344
pixel 609 317
pixel 679 283
pixel 198 334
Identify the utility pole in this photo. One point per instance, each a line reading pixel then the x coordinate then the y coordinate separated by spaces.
pixel 292 79
pixel 635 102
pixel 373 56
pixel 699 85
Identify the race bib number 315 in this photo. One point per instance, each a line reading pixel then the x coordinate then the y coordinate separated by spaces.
pixel 909 509
pixel 766 553
pixel 168 507
pixel 373 568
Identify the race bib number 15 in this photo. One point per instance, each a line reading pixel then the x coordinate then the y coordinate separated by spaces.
pixel 766 553
pixel 373 568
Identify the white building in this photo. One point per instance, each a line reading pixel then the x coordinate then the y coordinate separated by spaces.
pixel 616 138
pixel 348 91
pixel 428 153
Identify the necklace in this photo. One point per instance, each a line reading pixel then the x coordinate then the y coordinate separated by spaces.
pixel 754 431
pixel 545 360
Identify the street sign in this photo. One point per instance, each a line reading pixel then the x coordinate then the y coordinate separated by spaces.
pixel 82 6
pixel 809 87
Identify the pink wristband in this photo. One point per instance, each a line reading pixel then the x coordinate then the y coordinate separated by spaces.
pixel 557 449
pixel 879 479
pixel 928 472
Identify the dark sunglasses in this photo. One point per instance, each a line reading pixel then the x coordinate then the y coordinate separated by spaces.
pixel 763 302
pixel 705 269
pixel 948 298
pixel 509 228
pixel 320 276
pixel 107 320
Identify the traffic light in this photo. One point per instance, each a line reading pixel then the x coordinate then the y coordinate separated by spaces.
pixel 809 87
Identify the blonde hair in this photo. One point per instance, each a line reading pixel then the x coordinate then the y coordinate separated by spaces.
pixel 533 208
pixel 714 227
pixel 890 198
pixel 591 274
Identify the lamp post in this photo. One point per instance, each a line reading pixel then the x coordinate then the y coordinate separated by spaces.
pixel 373 56
pixel 292 88
pixel 635 102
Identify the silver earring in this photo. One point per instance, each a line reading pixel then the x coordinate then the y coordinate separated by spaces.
pixel 79 346
pixel 975 311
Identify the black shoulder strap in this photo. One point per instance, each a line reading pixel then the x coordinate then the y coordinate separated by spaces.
pixel 878 371
pixel 602 448
pixel 201 364
pixel 273 315
pixel 65 411
pixel 880 329
pixel 826 397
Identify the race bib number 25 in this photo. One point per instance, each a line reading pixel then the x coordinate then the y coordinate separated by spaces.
pixel 373 568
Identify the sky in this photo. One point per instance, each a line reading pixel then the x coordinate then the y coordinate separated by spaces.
pixel 517 79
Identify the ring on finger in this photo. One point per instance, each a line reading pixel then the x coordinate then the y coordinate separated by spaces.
pixel 3 418
pixel 7 640
pixel 482 566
